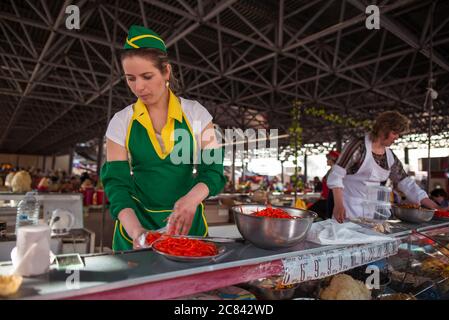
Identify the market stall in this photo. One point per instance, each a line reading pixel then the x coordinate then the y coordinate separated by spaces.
pixel 143 274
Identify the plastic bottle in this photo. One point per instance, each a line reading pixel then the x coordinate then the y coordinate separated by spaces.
pixel 27 211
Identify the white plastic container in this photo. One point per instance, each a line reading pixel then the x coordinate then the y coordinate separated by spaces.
pixel 376 210
pixel 377 193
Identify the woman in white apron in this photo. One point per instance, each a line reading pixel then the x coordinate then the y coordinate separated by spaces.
pixel 368 162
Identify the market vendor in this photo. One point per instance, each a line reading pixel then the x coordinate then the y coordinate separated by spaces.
pixel 369 161
pixel 152 146
pixel 322 206
pixel 440 197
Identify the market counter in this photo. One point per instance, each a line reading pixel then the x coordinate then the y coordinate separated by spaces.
pixel 144 274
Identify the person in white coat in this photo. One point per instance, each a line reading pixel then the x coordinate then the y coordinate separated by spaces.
pixel 369 161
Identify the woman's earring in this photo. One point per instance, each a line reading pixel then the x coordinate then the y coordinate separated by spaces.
pixel 167 83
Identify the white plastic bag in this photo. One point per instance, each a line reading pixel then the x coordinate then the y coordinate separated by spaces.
pixel 330 232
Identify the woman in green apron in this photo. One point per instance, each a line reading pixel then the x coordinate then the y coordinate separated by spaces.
pixel 152 147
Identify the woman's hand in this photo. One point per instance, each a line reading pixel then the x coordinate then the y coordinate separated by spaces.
pixel 137 243
pixel 180 221
pixel 339 213
pixel 430 204
pixel 132 225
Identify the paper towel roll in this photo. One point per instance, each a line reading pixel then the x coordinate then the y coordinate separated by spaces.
pixel 32 253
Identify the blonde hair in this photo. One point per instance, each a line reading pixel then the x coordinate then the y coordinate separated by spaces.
pixel 389 121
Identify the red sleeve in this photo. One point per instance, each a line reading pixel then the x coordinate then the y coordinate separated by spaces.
pixel 325 191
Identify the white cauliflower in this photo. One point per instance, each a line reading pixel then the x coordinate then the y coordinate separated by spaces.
pixel 8 179
pixel 21 182
pixel 344 287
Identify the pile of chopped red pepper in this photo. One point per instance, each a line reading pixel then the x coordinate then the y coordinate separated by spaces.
pixel 270 212
pixel 441 214
pixel 151 237
pixel 185 247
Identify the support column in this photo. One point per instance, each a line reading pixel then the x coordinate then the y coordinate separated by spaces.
pixel 305 169
pixel 406 156
pixel 71 155
pixel 53 162
pixel 282 172
pixel 339 141
pixel 100 154
pixel 233 168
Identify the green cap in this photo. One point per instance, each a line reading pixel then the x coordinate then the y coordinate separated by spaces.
pixel 141 37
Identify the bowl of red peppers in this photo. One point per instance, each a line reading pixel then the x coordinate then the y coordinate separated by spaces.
pixel 272 227
pixel 441 215
pixel 185 249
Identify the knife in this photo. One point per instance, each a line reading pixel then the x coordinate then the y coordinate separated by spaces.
pixel 213 239
pixel 217 239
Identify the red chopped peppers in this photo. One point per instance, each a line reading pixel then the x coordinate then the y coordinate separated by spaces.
pixel 185 247
pixel 270 212
pixel 441 214
pixel 151 237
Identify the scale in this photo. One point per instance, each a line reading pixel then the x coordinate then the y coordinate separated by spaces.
pixel 78 239
pixel 50 202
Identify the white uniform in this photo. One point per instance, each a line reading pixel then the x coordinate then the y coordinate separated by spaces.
pixel 370 173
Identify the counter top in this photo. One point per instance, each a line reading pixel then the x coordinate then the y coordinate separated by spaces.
pixel 144 273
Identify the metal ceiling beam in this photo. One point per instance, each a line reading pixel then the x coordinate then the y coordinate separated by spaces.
pixel 309 22
pixel 64 112
pixel 252 27
pixel 33 23
pixel 217 9
pixel 252 65
pixel 405 35
pixel 46 84
pixel 223 5
pixel 338 40
pixel 142 12
pixel 220 48
pixel 52 64
pixel 348 23
pixel 171 8
pixel 35 71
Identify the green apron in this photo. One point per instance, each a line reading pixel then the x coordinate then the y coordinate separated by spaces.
pixel 158 183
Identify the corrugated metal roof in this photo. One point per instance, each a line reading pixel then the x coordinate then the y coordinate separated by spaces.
pixel 359 84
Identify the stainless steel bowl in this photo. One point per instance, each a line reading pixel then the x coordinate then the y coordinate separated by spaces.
pixel 267 290
pixel 413 215
pixel 275 294
pixel 272 233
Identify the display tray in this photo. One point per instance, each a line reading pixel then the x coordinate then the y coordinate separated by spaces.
pixel 221 250
pixel 422 271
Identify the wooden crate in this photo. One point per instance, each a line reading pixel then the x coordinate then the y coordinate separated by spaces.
pixel 216 213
